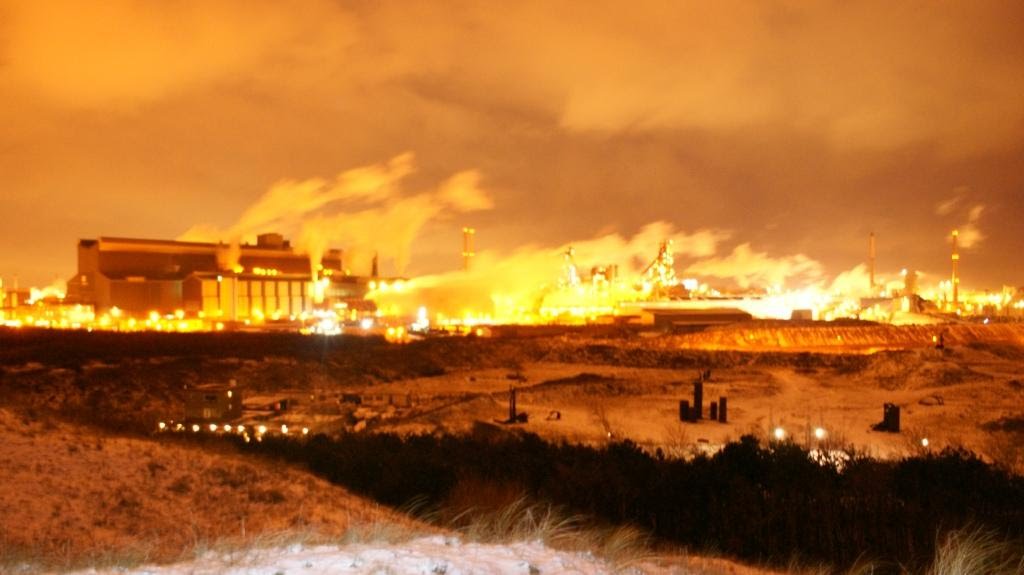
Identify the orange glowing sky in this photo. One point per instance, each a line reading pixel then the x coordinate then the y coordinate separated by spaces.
pixel 794 127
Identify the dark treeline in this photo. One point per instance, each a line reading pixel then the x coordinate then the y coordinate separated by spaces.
pixel 754 502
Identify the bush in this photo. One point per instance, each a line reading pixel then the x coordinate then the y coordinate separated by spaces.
pixel 759 503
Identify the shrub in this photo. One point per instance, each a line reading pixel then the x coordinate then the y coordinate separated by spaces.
pixel 756 502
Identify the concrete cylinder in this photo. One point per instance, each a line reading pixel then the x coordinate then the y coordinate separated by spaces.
pixel 891 417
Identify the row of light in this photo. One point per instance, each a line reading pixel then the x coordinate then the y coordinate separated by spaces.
pixel 779 433
pixel 226 428
pixel 384 286
pixel 820 433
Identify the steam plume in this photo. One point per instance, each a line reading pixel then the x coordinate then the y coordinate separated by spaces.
pixel 363 210
pixel 749 268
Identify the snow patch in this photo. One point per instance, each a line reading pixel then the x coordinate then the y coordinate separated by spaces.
pixel 428 555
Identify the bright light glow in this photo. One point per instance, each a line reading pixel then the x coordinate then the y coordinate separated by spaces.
pixel 261 429
pixel 195 428
pixel 162 425
pixel 779 433
pixel 305 431
pixel 819 433
pixel 227 428
pixel 924 442
pixel 284 429
pixel 366 323
pixel 213 427
pixel 422 323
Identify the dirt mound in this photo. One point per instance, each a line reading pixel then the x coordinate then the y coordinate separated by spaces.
pixel 72 493
pixel 846 338
pixel 1007 424
pixel 916 369
pixel 584 381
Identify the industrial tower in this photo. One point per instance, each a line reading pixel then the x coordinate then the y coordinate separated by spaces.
pixel 956 271
pixel 468 234
pixel 871 262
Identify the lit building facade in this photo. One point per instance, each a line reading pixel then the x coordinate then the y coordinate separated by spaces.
pixel 268 280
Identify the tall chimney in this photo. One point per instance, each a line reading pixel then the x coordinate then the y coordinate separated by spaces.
pixel 467 247
pixel 871 262
pixel 374 268
pixel 956 271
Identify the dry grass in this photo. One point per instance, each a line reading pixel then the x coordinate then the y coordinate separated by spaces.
pixel 968 551
pixel 523 520
pixel 978 551
pixel 73 496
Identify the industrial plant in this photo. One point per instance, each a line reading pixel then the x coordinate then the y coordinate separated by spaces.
pixel 132 284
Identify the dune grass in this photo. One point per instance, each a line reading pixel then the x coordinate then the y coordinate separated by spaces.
pixel 962 552
pixel 977 550
pixel 523 520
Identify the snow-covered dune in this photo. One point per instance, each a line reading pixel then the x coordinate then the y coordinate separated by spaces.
pixel 427 555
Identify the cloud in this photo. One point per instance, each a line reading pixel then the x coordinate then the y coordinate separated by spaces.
pixel 920 73
pixel 127 52
pixel 861 76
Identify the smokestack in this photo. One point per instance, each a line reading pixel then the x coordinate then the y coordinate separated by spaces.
pixel 956 271
pixel 467 247
pixel 871 261
pixel 375 269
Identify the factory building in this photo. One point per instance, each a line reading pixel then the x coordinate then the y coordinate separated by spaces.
pixel 265 280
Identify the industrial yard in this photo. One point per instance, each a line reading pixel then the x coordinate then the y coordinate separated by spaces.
pixel 577 388
pixel 84 404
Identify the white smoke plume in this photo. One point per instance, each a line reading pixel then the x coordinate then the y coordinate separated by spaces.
pixel 364 210
pixel 970 233
pixel 957 206
pixel 749 268
pixel 948 205
pixel 510 284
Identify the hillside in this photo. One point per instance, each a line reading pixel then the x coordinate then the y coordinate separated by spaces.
pixel 73 494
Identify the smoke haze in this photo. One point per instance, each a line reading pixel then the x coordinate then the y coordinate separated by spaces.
pixel 364 210
pixel 801 127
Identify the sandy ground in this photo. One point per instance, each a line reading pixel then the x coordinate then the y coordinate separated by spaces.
pixel 75 496
pixel 945 396
pixel 69 493
pixel 72 493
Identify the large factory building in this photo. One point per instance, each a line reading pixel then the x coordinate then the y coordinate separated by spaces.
pixel 265 280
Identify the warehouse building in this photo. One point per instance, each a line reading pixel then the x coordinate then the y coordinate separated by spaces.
pixel 265 280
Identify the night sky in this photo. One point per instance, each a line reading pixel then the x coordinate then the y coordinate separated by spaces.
pixel 784 131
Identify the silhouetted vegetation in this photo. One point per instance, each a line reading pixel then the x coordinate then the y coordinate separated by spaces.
pixel 760 503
